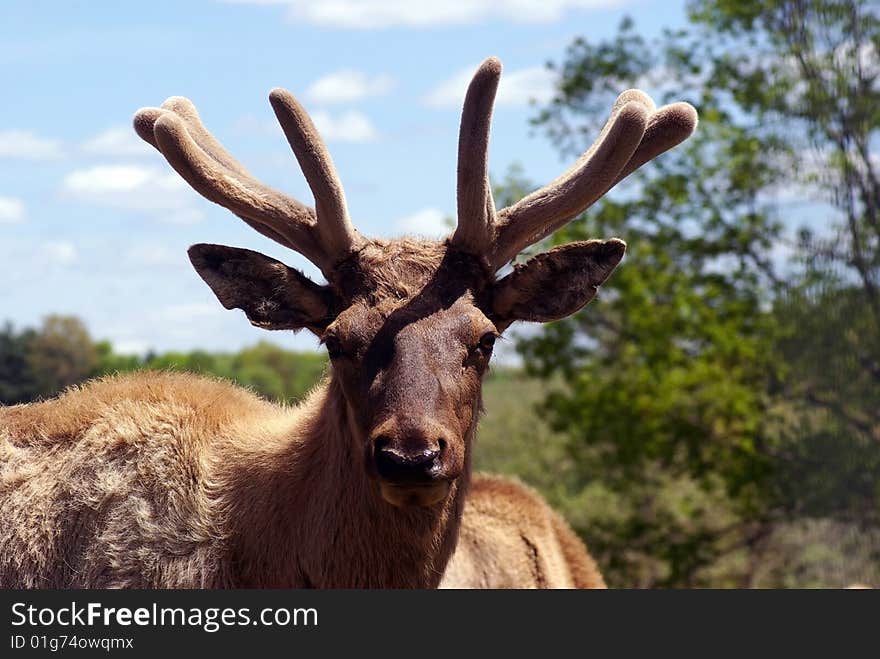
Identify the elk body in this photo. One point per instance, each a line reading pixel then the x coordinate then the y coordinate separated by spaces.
pixel 164 480
pixel 511 538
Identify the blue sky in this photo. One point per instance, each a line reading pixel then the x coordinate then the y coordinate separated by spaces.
pixel 95 223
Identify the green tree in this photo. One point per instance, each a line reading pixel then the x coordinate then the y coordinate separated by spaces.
pixel 59 354
pixel 17 384
pixel 826 91
pixel 678 401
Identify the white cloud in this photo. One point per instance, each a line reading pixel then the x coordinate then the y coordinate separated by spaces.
pixel 11 210
pixel 107 178
pixel 61 252
pixel 375 14
pixel 517 88
pixel 184 313
pixel 28 146
pixel 350 126
pixel 347 126
pixel 116 141
pixel 128 187
pixel 347 85
pixel 183 216
pixel 427 222
pixel 521 87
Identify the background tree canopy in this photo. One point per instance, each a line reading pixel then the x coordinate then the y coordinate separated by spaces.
pixel 714 418
pixel 727 382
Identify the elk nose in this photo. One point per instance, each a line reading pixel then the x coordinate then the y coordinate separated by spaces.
pixel 404 466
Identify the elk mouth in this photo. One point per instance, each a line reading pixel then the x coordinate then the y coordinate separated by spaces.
pixel 405 495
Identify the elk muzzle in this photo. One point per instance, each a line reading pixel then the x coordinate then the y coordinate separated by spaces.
pixel 411 461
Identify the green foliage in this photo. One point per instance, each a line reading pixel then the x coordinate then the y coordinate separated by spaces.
pixel 60 354
pixel 708 399
pixel 43 362
pixel 830 433
pixel 16 382
pixel 110 362
pixel 277 373
pixel 513 438
pixel 267 369
pixel 39 363
pixel 666 373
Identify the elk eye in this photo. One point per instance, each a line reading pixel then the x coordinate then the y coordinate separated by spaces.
pixel 334 347
pixel 487 342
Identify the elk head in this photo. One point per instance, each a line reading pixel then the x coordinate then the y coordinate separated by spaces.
pixel 410 324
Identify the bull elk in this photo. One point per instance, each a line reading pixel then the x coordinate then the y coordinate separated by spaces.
pixel 171 480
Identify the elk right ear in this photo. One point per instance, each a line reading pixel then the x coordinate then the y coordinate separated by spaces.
pixel 272 295
pixel 555 284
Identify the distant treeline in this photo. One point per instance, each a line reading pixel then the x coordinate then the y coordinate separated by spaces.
pixel 39 362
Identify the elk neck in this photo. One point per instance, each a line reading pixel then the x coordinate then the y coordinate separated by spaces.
pixel 300 511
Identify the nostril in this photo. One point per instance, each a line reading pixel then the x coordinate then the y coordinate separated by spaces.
pixel 381 443
pixel 417 459
pixel 397 465
pixel 441 443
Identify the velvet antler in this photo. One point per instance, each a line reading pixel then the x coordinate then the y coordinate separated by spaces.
pixel 635 133
pixel 324 234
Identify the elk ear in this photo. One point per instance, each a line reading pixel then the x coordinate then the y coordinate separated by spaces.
pixel 557 283
pixel 272 295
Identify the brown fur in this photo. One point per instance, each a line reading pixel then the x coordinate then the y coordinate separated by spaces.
pixel 99 489
pixel 511 538
pixel 161 480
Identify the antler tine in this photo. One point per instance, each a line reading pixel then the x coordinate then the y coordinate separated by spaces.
pixel 333 223
pixel 177 132
pixel 668 126
pixel 185 109
pixel 476 207
pixel 544 211
pixel 145 119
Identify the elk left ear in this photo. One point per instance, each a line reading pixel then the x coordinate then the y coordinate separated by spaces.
pixel 557 283
pixel 272 295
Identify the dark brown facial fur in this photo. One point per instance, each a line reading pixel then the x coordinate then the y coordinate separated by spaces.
pixel 410 349
pixel 409 326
